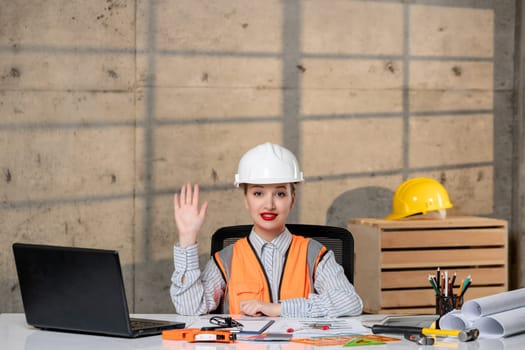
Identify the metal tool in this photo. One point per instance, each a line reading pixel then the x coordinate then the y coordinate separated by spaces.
pixel 462 335
pixel 420 339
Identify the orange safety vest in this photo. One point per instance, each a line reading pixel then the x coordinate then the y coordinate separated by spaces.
pixel 246 279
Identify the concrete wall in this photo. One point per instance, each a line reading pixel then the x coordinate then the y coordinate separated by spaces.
pixel 107 107
pixel 518 213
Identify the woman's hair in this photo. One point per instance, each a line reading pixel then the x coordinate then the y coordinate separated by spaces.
pixel 292 188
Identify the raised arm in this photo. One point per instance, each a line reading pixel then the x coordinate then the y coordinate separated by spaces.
pixel 188 217
pixel 191 293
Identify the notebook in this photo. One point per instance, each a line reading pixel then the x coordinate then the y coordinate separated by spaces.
pixel 78 290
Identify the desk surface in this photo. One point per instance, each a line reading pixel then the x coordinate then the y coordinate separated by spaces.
pixel 15 334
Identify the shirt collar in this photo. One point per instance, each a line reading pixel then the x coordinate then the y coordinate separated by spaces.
pixel 281 242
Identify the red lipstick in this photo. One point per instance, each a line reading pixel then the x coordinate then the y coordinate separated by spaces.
pixel 268 216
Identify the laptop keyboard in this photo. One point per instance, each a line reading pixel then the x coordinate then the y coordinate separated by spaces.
pixel 142 324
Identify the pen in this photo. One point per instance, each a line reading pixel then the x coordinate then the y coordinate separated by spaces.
pixel 267 326
pixel 324 327
pixel 264 328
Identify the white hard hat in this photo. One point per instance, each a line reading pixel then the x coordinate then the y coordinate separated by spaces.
pixel 268 163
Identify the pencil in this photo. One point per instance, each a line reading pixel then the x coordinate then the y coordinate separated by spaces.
pixel 433 284
pixel 461 287
pixel 466 287
pixel 439 278
pixel 446 283
pixel 467 282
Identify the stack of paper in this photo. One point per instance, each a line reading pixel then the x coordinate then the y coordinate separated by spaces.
pixel 495 316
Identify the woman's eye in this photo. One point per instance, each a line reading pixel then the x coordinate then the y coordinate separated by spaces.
pixel 281 194
pixel 257 194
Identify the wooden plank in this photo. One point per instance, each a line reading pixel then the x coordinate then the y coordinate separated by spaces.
pixel 419 278
pixel 444 238
pixel 426 298
pixel 443 258
pixel 367 271
pixel 453 221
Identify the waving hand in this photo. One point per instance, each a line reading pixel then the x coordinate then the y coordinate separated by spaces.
pixel 188 217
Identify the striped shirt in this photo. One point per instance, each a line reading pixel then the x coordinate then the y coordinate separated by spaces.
pixel 196 293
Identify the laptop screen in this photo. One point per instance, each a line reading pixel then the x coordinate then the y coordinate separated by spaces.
pixel 73 289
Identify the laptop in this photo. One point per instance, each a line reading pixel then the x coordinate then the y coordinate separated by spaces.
pixel 78 290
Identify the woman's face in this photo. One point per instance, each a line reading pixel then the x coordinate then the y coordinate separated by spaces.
pixel 269 206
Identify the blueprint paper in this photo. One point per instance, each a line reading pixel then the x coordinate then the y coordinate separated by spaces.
pixel 495 316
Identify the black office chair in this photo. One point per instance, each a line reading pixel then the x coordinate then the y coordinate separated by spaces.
pixel 337 239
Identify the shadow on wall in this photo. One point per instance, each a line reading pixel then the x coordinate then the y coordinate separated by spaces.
pixel 151 295
pixel 365 202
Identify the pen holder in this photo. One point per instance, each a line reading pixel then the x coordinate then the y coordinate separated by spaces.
pixel 445 304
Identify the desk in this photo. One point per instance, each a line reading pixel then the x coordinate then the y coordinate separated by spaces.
pixel 15 334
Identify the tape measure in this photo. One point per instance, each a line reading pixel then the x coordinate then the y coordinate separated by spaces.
pixel 198 335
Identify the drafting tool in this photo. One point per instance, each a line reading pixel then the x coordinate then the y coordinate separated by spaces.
pixel 351 340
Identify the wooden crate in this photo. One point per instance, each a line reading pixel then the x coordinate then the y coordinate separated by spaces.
pixel 393 259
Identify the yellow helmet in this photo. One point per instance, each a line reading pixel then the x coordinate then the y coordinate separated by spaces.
pixel 418 196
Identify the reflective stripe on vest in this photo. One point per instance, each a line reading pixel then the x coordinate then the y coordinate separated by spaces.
pixel 245 277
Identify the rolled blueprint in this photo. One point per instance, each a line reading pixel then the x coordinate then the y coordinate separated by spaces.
pixel 492 304
pixel 454 320
pixel 495 316
pixel 502 324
